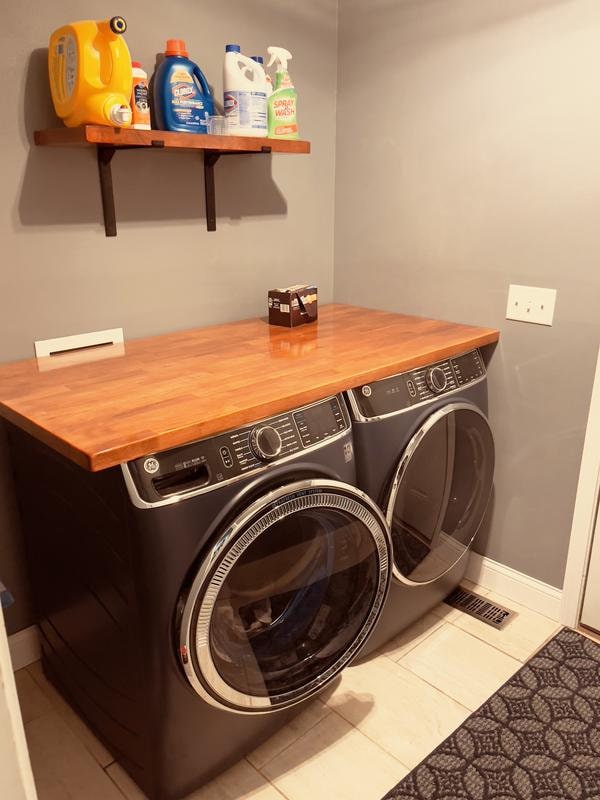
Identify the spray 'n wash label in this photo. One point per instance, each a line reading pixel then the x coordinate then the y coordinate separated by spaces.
pixel 282 103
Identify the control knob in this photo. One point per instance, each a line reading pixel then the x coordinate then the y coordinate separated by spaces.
pixel 265 442
pixel 436 379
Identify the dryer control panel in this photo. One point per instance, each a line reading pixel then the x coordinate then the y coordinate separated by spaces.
pixel 417 386
pixel 212 461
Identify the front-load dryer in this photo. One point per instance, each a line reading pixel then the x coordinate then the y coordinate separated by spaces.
pixel 191 601
pixel 425 454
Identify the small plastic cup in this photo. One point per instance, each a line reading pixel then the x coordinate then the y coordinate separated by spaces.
pixel 217 125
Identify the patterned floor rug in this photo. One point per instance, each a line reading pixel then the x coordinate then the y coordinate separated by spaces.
pixel 537 737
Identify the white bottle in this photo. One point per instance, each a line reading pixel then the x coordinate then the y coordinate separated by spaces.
pixel 244 94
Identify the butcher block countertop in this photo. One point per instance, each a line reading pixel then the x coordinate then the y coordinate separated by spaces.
pixel 152 394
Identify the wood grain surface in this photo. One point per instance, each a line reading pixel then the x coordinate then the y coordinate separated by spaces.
pixel 128 137
pixel 164 391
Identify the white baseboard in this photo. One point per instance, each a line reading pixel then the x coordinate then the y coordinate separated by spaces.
pixel 24 647
pixel 517 586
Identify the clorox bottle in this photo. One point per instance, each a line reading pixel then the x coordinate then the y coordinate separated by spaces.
pixel 244 94
pixel 89 66
pixel 182 97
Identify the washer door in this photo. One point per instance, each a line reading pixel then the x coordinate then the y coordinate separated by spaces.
pixel 286 597
pixel 439 493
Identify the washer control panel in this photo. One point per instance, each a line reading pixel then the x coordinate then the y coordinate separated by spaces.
pixel 229 455
pixel 419 385
pixel 320 421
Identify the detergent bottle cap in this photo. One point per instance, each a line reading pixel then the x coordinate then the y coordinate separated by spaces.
pixel 279 54
pixel 233 48
pixel 117 25
pixel 120 115
pixel 136 64
pixel 176 47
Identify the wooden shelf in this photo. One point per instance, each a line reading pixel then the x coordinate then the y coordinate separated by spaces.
pixel 108 140
pixel 129 138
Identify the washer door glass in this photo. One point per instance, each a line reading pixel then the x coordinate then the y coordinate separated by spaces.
pixel 292 594
pixel 440 492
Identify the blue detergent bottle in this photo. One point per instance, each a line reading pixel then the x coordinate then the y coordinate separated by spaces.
pixel 182 98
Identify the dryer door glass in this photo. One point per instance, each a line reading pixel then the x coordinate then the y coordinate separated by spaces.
pixel 295 590
pixel 440 492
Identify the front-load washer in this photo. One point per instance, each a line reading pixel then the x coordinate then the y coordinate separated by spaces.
pixel 191 601
pixel 425 454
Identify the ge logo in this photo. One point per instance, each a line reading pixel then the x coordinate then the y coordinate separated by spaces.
pixel 367 391
pixel 151 466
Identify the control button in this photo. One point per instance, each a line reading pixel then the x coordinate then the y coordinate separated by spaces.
pixel 412 389
pixel 226 457
pixel 367 391
pixel 436 379
pixel 265 442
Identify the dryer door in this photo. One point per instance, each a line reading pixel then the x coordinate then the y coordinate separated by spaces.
pixel 286 597
pixel 439 493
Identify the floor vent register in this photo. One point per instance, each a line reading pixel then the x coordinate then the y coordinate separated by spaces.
pixel 480 607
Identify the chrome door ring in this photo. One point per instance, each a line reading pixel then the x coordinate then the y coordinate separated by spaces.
pixel 194 645
pixel 400 472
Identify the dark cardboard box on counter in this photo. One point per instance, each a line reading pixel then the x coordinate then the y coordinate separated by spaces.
pixel 293 306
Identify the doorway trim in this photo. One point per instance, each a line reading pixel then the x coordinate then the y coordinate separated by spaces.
pixel 16 778
pixel 585 513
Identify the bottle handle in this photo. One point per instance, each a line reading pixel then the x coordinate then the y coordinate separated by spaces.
pixel 202 80
pixel 257 70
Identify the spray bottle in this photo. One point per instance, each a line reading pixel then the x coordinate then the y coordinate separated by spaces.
pixel 282 103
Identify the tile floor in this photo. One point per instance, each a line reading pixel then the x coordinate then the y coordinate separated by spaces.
pixel 368 730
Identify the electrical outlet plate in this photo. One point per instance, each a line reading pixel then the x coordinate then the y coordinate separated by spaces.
pixel 531 304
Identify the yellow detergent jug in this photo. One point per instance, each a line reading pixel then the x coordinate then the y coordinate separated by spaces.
pixel 90 73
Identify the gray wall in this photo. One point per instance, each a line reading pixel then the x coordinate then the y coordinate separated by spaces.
pixel 467 159
pixel 60 275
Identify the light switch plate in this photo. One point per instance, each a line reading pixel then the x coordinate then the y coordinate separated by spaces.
pixel 531 304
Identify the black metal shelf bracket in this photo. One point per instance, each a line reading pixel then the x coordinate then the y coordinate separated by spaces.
pixel 105 155
pixel 210 159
